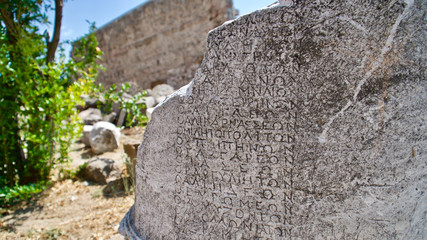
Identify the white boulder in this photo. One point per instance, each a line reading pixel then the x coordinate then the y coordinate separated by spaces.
pixel 104 137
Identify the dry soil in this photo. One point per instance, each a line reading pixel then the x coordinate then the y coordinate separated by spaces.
pixel 71 209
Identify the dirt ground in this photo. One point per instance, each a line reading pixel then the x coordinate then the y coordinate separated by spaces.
pixel 72 209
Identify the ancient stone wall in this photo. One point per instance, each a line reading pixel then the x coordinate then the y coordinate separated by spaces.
pixel 160 41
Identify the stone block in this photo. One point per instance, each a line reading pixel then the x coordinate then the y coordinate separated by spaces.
pixel 121 120
pixel 87 129
pixel 111 117
pixel 104 137
pixel 102 171
pixel 90 116
pixel 306 120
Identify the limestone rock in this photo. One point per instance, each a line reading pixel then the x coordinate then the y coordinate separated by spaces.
pixel 116 108
pixel 90 116
pixel 102 171
pixel 160 92
pixel 126 96
pixel 149 101
pixel 104 137
pixel 160 99
pixel 110 117
pixel 303 122
pixel 121 120
pixel 87 129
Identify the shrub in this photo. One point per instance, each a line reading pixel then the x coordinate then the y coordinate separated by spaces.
pixel 38 95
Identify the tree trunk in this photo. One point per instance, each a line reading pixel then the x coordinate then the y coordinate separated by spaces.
pixel 53 45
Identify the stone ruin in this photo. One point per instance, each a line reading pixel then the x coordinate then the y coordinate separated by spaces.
pixel 161 41
pixel 306 120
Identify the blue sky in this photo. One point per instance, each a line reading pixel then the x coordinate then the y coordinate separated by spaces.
pixel 78 12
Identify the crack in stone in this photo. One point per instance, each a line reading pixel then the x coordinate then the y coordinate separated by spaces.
pixel 353 23
pixel 375 65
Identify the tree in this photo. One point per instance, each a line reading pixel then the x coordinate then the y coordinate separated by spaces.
pixel 38 92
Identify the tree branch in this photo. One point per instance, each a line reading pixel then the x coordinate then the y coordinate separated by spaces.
pixel 7 18
pixel 53 45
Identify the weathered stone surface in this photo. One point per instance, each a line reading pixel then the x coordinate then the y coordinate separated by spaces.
pixel 161 92
pixel 111 117
pixel 162 40
pixel 87 129
pixel 116 108
pixel 303 122
pixel 90 116
pixel 102 171
pixel 104 137
pixel 122 118
pixel 149 101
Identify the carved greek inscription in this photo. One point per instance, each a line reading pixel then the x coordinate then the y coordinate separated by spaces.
pixel 235 144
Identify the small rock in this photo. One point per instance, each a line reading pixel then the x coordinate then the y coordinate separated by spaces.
pixel 116 108
pixel 126 96
pixel 102 171
pixel 92 119
pixel 86 134
pixel 160 92
pixel 160 99
pixel 110 117
pixel 104 137
pixel 149 92
pixel 122 118
pixel 90 116
pixel 149 101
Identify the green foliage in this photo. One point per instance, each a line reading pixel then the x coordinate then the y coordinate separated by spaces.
pixel 38 119
pixel 10 195
pixel 132 104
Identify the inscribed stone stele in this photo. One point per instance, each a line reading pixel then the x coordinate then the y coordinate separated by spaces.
pixel 304 121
